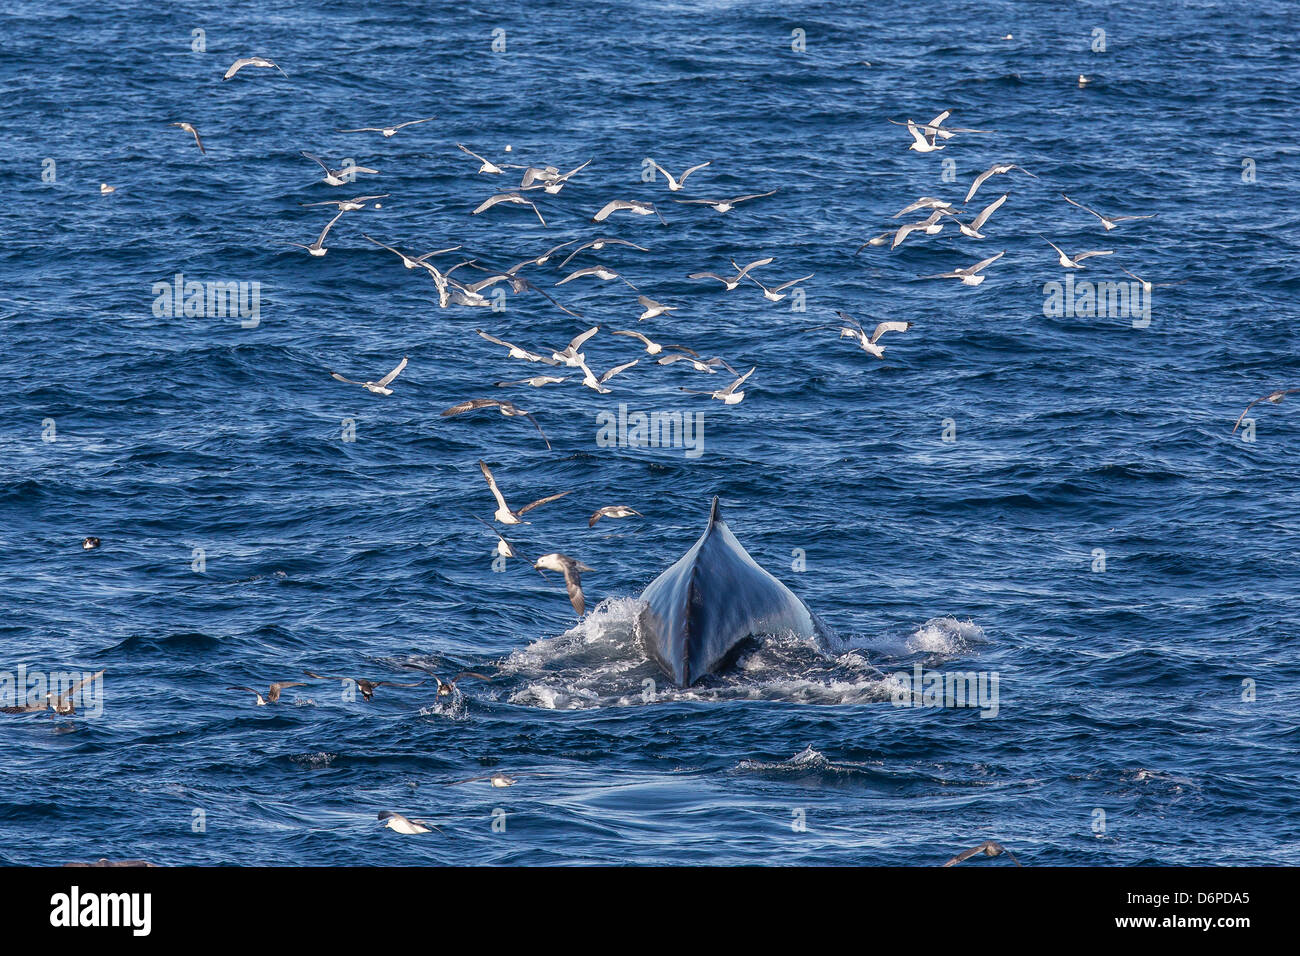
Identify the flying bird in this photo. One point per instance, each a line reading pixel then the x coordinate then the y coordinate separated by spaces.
pixel 338 177
pixel 189 128
pixel 925 202
pixel 1069 262
pixel 731 283
pixel 972 229
pixel 367 687
pixel 635 206
pixel 1274 398
pixel 514 198
pixel 348 205
pixel 675 184
pixel 508 409
pixel 487 165
pixel 612 511
pixel 1108 222
pixel 504 513
pixel 515 352
pixel 589 377
pixel 503 547
pixel 447 687
pixel 62 704
pixel 388 131
pixel 599 244
pixel 726 205
pixel 395 821
pixel 932 225
pixel 653 348
pixel 317 248
pixel 273 694
pixel 652 308
pixel 852 329
pixel 252 61
pixel 987 848
pixel 600 272
pixel 729 395
pixel 776 293
pixel 997 169
pixel 969 275
pixel 380 387
pixel 570 355
pixel 572 571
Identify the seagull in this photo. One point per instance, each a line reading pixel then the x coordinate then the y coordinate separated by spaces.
pixel 925 202
pixel 653 348
pixel 652 308
pixel 612 511
pixel 497 779
pixel 599 244
pixel 508 409
pixel 380 387
pixel 367 687
pixel 348 205
pixel 726 205
pixel 852 329
pixel 273 694
pixel 503 547
pixel 388 131
pixel 543 258
pixel 879 240
pixel 634 206
pixel 600 272
pixel 932 224
pixel 988 848
pixel 537 381
pixel 504 514
pixel 997 169
pixel 395 821
pixel 90 544
pixel 105 188
pixel 550 179
pixel 731 283
pixel 700 365
pixel 244 61
pixel 59 703
pixel 572 571
pixel 516 352
pixel 922 142
pixel 969 275
pixel 515 198
pixel 1108 222
pixel 934 129
pixel 972 229
pixel 728 395
pixel 675 184
pixel 776 293
pixel 488 166
pixel 337 177
pixel 190 129
pixel 1148 286
pixel 409 261
pixel 317 248
pixel 589 377
pixel 447 687
pixel 1273 397
pixel 1084 80
pixel 1073 263
pixel 570 356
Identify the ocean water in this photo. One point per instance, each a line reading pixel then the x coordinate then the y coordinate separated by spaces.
pixel 1057 500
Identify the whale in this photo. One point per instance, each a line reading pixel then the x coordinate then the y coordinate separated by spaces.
pixel 695 616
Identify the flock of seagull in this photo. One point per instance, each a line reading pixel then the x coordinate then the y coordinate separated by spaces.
pixel 454 287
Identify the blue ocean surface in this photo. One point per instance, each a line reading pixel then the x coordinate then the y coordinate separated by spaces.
pixel 1024 487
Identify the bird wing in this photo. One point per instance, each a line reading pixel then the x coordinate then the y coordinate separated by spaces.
pixel 682 180
pixel 472 674
pixel 965 855
pixel 573 583
pixel 786 285
pixel 609 207
pixel 979 181
pixel 770 192
pixel 320 241
pixel 1088 255
pixel 340 378
pixel 540 501
pixel 492 485
pixel 884 327
pixel 577 341
pixel 493 200
pixel 393 374
pixel 754 265
pixel 986 262
pixel 738 382
pixel 635 335
pixel 616 369
pixel 468 406
pixel 474 154
pixel 708 275
pixel 494 340
pixel 80 684
pixel 316 161
pixel 987 211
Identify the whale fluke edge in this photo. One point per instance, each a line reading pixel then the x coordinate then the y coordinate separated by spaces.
pixel 713 598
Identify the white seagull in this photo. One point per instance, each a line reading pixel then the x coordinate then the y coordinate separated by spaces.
pixel 652 308
pixel 612 511
pixel 997 169
pixel 572 571
pixel 600 272
pixel 189 128
pixel 675 184
pixel 852 329
pixel 487 165
pixel 729 395
pixel 251 61
pixel 1069 262
pixel 635 206
pixel 508 409
pixel 347 205
pixel 589 377
pixel 972 229
pixel 726 205
pixel 776 293
pixel 338 177
pixel 1108 222
pixel 317 248
pixel 504 513
pixel 653 348
pixel 380 387
pixel 731 283
pixel 386 130
pixel 599 244
pixel 969 275
pixel 515 352
pixel 510 198
pixel 570 355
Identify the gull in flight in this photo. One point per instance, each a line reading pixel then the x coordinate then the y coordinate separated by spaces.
pixel 272 694
pixel 700 365
pixel 508 409
pixel 504 513
pixel 515 198
pixel 1274 398
pixel 922 142
pixel 338 177
pixel 972 229
pixel 589 377
pixel 487 165
pixel 599 244
pixel 729 395
pixel 969 275
pixel 367 687
pixel 1074 263
pixel 653 348
pixel 380 387
pixel 348 205
pixel 652 308
pixel 932 225
pixel 395 821
pixel 776 293
pixel 503 548
pixel 852 329
pixel 572 571
pixel 925 202
pixel 570 355
pixel 612 511
pixel 244 61
pixel 600 272
pixel 675 184
pixel 731 283
pixel 60 703
pixel 497 779
pixel 997 169
pixel 1148 286
pixel 317 248
pixel 987 848
pixel 409 261
pixel 537 381
pixel 1108 222
pixel 541 260
pixel 515 352
pixel 189 128
pixel 635 206
pixel 928 133
pixel 879 240
pixel 726 205
pixel 550 179
pixel 386 130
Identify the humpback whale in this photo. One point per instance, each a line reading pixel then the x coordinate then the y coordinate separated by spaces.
pixel 696 613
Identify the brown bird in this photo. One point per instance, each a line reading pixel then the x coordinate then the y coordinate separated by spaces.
pixel 508 409
pixel 367 687
pixel 572 571
pixel 190 129
pixel 447 687
pixel 988 848
pixel 612 511
pixel 273 694
pixel 60 704
pixel 1274 397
